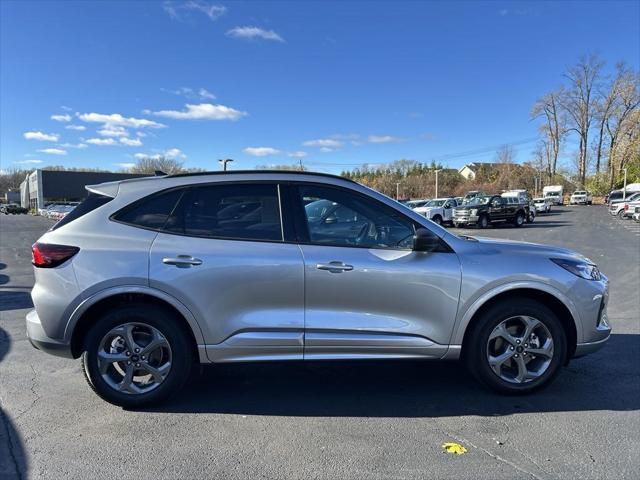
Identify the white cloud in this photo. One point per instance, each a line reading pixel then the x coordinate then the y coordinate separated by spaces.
pixel 61 118
pixel 330 143
pixel 182 10
pixel 110 130
pixel 250 33
pixel 130 142
pixel 171 153
pixel 53 151
pixel 261 151
pixel 326 149
pixel 115 119
pixel 80 128
pixel 190 93
pixel 384 139
pixel 29 162
pixel 202 111
pixel 125 165
pixel 65 108
pixel 73 145
pixel 297 154
pixel 102 142
pixel 43 137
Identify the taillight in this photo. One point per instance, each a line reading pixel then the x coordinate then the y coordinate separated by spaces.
pixel 47 255
pixel 626 207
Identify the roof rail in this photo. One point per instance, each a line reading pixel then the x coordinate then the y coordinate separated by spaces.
pixel 280 172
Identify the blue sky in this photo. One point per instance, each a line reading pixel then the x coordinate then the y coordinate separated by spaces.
pixel 338 84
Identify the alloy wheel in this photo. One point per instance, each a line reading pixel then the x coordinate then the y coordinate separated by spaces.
pixel 520 349
pixel 134 358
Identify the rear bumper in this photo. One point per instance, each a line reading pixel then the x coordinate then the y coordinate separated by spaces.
pixel 41 341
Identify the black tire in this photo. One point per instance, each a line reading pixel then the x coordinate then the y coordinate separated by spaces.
pixel 154 316
pixel 519 220
pixel 475 348
pixel 620 213
pixel 483 221
pixel 437 219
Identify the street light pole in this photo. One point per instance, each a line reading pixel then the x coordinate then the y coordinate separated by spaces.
pixel 437 170
pixel 224 163
pixel 397 190
pixel 624 189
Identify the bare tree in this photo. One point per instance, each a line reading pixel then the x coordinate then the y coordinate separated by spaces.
pixel 622 122
pixel 506 154
pixel 150 165
pixel 579 104
pixel 553 128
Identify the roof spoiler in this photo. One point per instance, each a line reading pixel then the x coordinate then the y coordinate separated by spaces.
pixel 109 189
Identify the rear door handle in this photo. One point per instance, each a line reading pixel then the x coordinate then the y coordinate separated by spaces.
pixel 182 261
pixel 334 267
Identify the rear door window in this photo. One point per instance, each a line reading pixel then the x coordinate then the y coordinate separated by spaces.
pixel 231 211
pixel 151 212
pixel 89 204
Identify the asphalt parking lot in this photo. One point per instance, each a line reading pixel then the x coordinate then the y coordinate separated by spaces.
pixel 333 420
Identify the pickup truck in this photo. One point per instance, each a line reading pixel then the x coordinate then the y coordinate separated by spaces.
pixel 438 210
pixel 485 210
pixel 13 209
pixel 581 197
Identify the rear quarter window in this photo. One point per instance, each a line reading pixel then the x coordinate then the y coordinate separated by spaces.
pixel 89 204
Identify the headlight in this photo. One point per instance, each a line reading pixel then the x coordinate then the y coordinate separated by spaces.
pixel 473 211
pixel 584 270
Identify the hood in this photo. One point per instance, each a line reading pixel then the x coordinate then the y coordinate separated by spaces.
pixel 514 247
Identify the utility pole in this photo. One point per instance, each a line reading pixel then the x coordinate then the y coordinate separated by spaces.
pixel 437 170
pixel 624 189
pixel 301 167
pixel 224 163
pixel 397 190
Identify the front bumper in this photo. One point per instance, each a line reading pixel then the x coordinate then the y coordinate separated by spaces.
pixel 589 347
pixel 40 340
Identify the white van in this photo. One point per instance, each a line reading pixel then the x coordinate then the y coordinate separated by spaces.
pixel 554 193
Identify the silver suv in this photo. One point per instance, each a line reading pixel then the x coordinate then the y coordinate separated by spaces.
pixel 148 275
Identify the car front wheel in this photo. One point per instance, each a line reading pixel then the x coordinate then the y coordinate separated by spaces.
pixel 516 346
pixel 519 221
pixel 137 355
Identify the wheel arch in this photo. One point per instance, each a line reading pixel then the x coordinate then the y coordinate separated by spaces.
pixel 80 320
pixel 567 315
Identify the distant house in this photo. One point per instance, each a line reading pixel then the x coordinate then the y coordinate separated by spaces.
pixel 470 170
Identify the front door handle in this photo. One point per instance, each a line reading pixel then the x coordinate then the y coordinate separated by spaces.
pixel 334 267
pixel 182 261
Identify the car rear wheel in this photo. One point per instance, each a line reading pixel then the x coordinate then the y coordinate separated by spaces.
pixel 620 213
pixel 516 346
pixel 519 220
pixel 137 355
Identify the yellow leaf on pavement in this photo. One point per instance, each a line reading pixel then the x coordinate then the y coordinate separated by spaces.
pixel 456 448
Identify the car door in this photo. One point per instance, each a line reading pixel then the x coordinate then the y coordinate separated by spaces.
pixel 222 254
pixel 449 205
pixel 372 296
pixel 497 208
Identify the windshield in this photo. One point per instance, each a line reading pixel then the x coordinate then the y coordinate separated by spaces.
pixel 580 193
pixel 477 201
pixel 552 194
pixel 435 203
pixel 538 200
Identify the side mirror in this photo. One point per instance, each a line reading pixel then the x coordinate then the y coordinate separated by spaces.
pixel 425 240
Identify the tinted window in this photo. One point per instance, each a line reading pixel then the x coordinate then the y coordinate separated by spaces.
pixel 150 212
pixel 243 212
pixel 92 202
pixel 336 217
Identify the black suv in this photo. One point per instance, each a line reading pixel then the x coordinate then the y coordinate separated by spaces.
pixel 484 210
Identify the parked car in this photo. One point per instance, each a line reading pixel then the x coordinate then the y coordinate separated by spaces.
pixel 636 215
pixel 542 204
pixel 486 210
pixel 555 193
pixel 413 204
pixel 438 210
pixel 629 208
pixel 13 209
pixel 581 197
pixel 616 205
pixel 144 277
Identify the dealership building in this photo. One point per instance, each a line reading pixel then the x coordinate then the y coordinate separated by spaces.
pixel 44 187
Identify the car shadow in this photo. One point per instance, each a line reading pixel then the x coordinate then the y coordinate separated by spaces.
pixel 13 459
pixel 606 380
pixel 14 300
